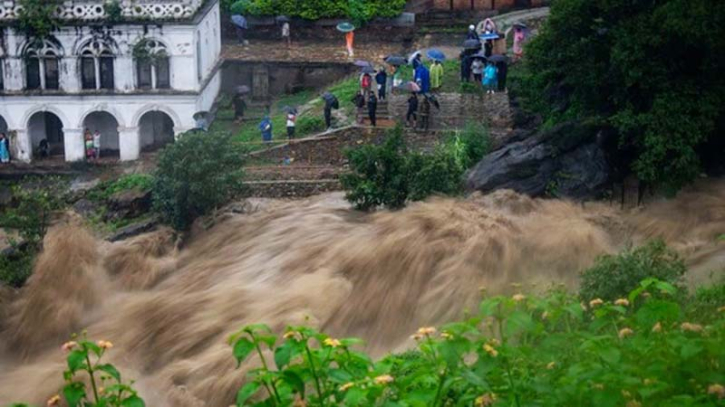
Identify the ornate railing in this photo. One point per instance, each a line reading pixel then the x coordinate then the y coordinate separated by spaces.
pixel 130 9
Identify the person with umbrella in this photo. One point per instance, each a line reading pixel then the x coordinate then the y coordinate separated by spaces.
pixel 519 39
pixel 465 66
pixel 291 122
pixel 331 102
pixel 488 48
pixel 422 78
pixel 372 109
pixel 477 69
pixel 286 32
pixel 416 62
pixel 411 117
pixel 240 105
pixel 240 24
pixel 381 79
pixel 436 75
pixel 489 78
pixel 366 80
pixel 349 31
pixel 265 126
pixel 471 34
pixel 424 122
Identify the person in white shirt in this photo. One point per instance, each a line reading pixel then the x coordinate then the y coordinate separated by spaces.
pixel 97 144
pixel 286 33
pixel 291 119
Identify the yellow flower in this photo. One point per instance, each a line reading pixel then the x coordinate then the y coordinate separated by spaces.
pixel 686 326
pixel 495 342
pixel 426 331
pixel 622 301
pixel 595 302
pixel 657 327
pixel 384 379
pixel 104 344
pixel 53 401
pixel 68 346
pixel 446 335
pixel 598 386
pixel 486 400
pixel 292 335
pixel 519 297
pixel 490 350
pixel 625 332
pixel 634 403
pixel 334 343
pixel 626 394
pixel 551 365
pixel 346 386
pixel 717 390
pixel 417 337
pixel 583 306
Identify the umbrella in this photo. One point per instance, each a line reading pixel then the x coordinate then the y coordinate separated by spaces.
pixel 395 60
pixel 435 55
pixel 242 89
pixel 239 21
pixel 498 58
pixel 412 57
pixel 520 25
pixel 479 55
pixel 200 115
pixel 472 44
pixel 490 36
pixel 282 19
pixel 345 27
pixel 409 87
pixel 368 70
pixel 362 64
pixel 331 99
pixel 290 109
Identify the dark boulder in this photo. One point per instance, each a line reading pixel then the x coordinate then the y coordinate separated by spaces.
pixel 128 204
pixel 84 207
pixel 564 161
pixel 134 230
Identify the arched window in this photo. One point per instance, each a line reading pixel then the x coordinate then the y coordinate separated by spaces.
pixel 42 65
pixel 97 65
pixel 152 65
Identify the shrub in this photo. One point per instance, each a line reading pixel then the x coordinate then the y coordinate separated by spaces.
pixel 37 17
pixel 195 175
pixel 615 275
pixel 357 10
pixel 309 125
pixel 16 268
pixel 104 190
pixel 114 11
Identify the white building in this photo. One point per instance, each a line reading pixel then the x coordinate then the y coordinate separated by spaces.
pixel 138 81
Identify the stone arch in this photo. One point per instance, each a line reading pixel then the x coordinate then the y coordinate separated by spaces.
pixel 107 127
pixel 48 126
pixel 155 130
pixel 156 108
pixel 107 41
pixel 103 108
pixel 45 109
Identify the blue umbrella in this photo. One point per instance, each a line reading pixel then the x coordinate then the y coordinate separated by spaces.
pixel 435 55
pixel 490 36
pixel 345 27
pixel 239 21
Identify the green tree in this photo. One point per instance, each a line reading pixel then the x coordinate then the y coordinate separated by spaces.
pixel 195 175
pixel 650 69
pixel 37 17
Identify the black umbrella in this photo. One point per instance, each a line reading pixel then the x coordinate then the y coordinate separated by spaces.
pixel 368 70
pixel 520 25
pixel 498 58
pixel 395 60
pixel 290 109
pixel 479 55
pixel 362 64
pixel 200 115
pixel 282 19
pixel 472 44
pixel 241 90
pixel 331 99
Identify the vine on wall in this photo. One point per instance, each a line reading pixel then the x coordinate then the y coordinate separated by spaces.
pixel 36 18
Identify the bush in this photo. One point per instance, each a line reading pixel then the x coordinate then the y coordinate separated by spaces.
pixel 357 10
pixel 615 275
pixel 309 125
pixel 195 175
pixel 106 189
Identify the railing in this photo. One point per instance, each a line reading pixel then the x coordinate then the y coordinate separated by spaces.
pixel 89 10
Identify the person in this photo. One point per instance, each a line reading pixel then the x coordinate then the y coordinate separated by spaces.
pixel 502 73
pixel 488 48
pixel 372 109
pixel 381 79
pixel 489 26
pixel 366 83
pixel 359 101
pixel 519 38
pixel 412 116
pixel 349 40
pixel 417 61
pixel 489 78
pixel 4 149
pixel 471 34
pixel 425 114
pixel 266 128
pixel 240 24
pixel 291 121
pixel 422 78
pixel 328 113
pixel 88 137
pixel 44 148
pixel 477 68
pixel 286 34
pixel 436 75
pixel 239 106
pixel 396 78
pixel 97 144
pixel 465 67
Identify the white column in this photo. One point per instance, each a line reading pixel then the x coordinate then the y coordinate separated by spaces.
pixel 20 145
pixel 129 142
pixel 74 144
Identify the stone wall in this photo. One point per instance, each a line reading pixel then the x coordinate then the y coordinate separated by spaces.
pixel 485 4
pixel 324 150
pixel 87 10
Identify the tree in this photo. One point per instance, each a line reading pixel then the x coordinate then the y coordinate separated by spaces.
pixel 195 175
pixel 650 69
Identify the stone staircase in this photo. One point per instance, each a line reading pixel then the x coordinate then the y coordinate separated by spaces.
pixel 384 118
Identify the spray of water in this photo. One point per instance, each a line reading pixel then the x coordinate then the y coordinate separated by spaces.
pixel 379 277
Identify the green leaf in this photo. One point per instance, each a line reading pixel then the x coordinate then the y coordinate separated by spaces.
pixel 74 393
pixel 354 396
pixel 242 348
pixel 76 360
pixel 111 370
pixel 133 401
pixel 474 379
pixel 283 354
pixel 339 376
pixel 295 381
pixel 610 355
pixel 270 340
pixel 246 392
pixel 518 321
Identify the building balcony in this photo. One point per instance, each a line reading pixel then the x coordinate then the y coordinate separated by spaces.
pixel 98 10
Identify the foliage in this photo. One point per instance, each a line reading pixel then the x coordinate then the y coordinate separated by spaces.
pixel 650 69
pixel 113 11
pixel 36 18
pixel 515 351
pixel 707 301
pixel 389 174
pixel 195 175
pixel 309 125
pixel 612 275
pixel 16 268
pixel 357 10
pixel 143 53
pixel 106 189
pixel 32 214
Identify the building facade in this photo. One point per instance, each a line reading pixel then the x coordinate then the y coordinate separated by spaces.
pixel 138 80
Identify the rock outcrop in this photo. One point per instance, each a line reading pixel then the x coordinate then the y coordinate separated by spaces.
pixel 564 161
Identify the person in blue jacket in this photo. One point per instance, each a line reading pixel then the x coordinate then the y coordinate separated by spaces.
pixel 422 78
pixel 266 128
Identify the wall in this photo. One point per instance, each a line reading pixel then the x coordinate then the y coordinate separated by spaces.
pixel 485 4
